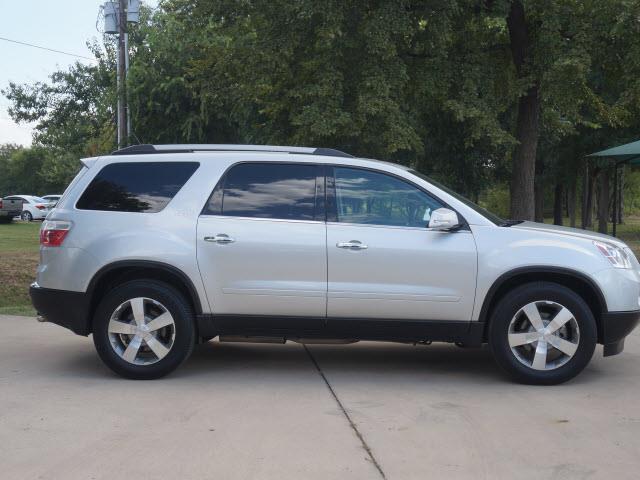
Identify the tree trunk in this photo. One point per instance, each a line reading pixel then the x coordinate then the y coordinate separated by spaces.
pixel 603 201
pixel 571 201
pixel 527 124
pixel 585 191
pixel 539 200
pixel 621 196
pixel 538 190
pixel 557 204
pixel 591 176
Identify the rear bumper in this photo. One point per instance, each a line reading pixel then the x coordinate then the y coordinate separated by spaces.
pixel 62 307
pixel 614 327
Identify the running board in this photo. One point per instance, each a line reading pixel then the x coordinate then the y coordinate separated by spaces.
pixel 259 339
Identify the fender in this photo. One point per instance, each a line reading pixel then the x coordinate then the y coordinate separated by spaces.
pixel 537 271
pixel 193 293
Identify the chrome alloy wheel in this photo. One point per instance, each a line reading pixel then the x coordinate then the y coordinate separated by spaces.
pixel 543 335
pixel 141 331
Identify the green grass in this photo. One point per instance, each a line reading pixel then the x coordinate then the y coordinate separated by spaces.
pixel 19 237
pixel 18 260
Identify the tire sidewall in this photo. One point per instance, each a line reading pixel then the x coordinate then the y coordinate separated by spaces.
pixel 184 328
pixel 521 296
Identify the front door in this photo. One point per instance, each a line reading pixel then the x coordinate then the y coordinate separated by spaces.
pixel 383 261
pixel 262 243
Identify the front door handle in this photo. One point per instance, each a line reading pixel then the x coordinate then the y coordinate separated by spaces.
pixel 352 245
pixel 220 238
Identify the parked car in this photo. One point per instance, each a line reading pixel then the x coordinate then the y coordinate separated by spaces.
pixel 9 209
pixel 156 247
pixel 52 199
pixel 33 208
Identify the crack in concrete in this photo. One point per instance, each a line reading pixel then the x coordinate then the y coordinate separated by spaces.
pixel 344 412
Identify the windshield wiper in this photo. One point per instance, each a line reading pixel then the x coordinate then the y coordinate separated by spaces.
pixel 509 223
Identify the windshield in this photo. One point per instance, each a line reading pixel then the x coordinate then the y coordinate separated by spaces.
pixel 38 200
pixel 482 211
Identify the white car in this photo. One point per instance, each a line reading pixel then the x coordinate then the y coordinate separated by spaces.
pixel 33 208
pixel 155 248
pixel 52 199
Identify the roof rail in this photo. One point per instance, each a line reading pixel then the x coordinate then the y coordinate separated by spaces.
pixel 185 148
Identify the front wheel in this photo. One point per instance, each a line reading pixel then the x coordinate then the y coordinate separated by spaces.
pixel 144 329
pixel 542 333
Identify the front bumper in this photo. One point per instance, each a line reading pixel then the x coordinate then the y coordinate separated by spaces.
pixel 614 327
pixel 62 307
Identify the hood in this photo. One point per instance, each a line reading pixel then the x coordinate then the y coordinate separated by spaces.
pixel 571 232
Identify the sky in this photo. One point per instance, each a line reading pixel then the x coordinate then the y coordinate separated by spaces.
pixel 61 25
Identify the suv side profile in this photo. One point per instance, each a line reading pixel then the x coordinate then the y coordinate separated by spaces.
pixel 155 248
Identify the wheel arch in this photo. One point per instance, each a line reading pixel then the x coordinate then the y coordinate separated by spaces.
pixel 577 281
pixel 118 272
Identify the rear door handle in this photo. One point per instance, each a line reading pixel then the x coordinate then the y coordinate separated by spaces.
pixel 352 245
pixel 220 238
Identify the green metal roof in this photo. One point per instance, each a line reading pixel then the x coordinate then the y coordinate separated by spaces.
pixel 629 152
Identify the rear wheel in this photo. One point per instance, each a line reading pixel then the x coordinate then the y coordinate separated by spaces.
pixel 144 329
pixel 26 216
pixel 542 333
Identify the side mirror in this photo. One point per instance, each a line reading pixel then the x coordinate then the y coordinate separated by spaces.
pixel 443 219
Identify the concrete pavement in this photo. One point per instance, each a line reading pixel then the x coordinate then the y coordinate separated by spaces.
pixel 248 411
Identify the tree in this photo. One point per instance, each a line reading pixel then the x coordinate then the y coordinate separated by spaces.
pixel 74 111
pixel 527 123
pixel 476 94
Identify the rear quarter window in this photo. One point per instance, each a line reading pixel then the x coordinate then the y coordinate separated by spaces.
pixel 287 191
pixel 136 186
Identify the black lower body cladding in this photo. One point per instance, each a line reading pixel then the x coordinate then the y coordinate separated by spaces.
pixel 65 308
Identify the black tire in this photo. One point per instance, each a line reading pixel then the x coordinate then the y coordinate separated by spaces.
pixel 6 219
pixel 26 216
pixel 509 306
pixel 173 301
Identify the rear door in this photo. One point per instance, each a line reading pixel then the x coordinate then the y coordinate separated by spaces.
pixel 262 244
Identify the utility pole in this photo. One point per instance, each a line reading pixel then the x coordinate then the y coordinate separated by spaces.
pixel 123 138
pixel 117 15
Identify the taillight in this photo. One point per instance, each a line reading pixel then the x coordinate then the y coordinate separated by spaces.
pixel 40 207
pixel 0 203
pixel 53 232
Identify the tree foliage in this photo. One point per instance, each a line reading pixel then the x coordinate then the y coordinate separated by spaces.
pixel 441 85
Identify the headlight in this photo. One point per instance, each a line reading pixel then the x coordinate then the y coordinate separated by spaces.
pixel 618 257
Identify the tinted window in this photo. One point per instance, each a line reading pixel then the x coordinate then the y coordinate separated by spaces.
pixel 371 198
pixel 266 190
pixel 482 211
pixel 136 187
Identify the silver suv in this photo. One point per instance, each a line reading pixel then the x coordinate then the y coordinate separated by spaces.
pixel 155 248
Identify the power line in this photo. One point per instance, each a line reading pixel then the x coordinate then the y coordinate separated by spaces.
pixel 45 48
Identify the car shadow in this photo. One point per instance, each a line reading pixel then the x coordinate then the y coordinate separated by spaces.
pixel 390 363
pixel 365 360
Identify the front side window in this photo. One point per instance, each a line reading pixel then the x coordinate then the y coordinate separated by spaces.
pixel 267 190
pixel 136 187
pixel 372 198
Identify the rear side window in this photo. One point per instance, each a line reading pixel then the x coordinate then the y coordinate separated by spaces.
pixel 268 190
pixel 136 187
